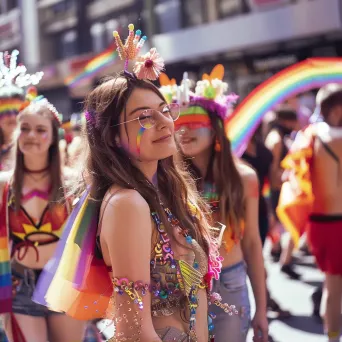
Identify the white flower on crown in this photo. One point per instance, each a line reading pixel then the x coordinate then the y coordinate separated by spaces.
pixel 220 86
pixel 13 74
pixel 217 86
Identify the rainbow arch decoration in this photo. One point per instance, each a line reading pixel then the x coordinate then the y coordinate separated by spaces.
pixel 95 65
pixel 303 76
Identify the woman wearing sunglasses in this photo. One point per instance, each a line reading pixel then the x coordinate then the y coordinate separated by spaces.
pixel 154 259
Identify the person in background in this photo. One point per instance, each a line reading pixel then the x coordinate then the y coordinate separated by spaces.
pixel 311 197
pixel 278 142
pixel 11 98
pixel 258 156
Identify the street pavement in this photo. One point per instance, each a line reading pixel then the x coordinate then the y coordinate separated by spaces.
pixel 295 296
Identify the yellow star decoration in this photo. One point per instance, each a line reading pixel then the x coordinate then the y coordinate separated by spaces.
pixel 45 228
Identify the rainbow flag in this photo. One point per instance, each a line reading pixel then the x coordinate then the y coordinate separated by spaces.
pixel 75 281
pixel 5 267
pixel 94 66
pixel 303 76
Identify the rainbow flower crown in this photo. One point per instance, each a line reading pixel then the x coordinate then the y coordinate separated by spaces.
pixel 210 93
pixel 174 93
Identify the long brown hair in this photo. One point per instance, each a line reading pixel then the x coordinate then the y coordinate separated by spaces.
pixel 109 164
pixel 57 192
pixel 223 172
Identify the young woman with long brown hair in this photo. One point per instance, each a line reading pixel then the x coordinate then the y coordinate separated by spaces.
pixel 231 189
pixel 32 219
pixel 153 260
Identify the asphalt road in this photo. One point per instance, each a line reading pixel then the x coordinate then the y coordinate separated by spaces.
pixel 295 296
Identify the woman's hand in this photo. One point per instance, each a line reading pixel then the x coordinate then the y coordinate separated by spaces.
pixel 260 327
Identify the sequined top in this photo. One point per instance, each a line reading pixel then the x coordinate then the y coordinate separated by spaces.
pixel 173 278
pixel 175 283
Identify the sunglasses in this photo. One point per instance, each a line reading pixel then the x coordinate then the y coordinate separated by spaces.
pixel 149 117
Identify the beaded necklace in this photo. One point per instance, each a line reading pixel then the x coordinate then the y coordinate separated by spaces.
pixel 189 277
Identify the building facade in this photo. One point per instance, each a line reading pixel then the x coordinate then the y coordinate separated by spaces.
pixel 252 38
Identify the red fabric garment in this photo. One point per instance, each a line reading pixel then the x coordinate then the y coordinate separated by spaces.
pixel 18 336
pixel 325 238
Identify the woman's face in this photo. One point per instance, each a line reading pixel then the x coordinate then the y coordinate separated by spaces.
pixel 194 131
pixel 194 141
pixel 147 143
pixel 36 135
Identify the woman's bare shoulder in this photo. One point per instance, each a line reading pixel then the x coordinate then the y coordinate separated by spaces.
pixel 124 208
pixel 249 179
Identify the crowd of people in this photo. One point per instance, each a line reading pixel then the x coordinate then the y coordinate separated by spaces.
pixel 137 211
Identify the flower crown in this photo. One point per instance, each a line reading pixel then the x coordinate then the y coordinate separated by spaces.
pixel 33 98
pixel 209 93
pixel 174 93
pixel 12 74
pixel 148 66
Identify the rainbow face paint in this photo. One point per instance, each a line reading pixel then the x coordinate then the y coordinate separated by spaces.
pixel 139 136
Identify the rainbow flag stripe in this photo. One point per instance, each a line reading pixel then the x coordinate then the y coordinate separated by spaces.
pixel 95 65
pixel 5 267
pixel 75 281
pixel 303 76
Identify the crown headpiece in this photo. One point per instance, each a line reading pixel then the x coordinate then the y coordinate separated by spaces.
pixel 210 93
pixel 32 97
pixel 174 93
pixel 148 66
pixel 13 74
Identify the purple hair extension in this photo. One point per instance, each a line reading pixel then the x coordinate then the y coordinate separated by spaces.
pixel 90 118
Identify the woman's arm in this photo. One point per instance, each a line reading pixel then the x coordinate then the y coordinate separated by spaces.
pixel 126 234
pixel 252 251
